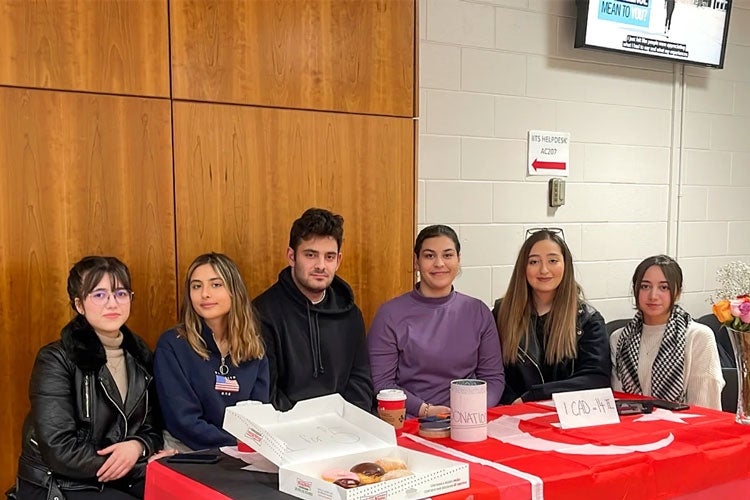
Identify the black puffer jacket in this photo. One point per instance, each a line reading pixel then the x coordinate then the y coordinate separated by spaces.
pixel 590 369
pixel 76 409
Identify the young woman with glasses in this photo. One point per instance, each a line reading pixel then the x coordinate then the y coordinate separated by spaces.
pixel 212 359
pixel 424 339
pixel 552 340
pixel 91 429
pixel 662 352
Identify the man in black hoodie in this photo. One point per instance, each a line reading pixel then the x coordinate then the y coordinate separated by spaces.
pixel 313 330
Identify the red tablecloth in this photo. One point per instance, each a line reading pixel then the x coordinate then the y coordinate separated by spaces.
pixel 163 483
pixel 697 453
pixel 691 455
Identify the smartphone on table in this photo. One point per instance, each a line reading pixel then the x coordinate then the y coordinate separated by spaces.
pixel 669 405
pixel 194 458
pixel 636 406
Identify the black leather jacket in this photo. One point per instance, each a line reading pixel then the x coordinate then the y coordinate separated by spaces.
pixel 591 369
pixel 76 409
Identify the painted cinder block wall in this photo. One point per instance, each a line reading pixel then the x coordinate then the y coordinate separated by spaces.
pixel 659 155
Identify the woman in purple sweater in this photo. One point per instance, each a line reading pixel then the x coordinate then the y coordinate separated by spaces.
pixel 422 340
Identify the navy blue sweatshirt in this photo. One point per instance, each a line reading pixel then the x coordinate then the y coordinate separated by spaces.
pixel 191 402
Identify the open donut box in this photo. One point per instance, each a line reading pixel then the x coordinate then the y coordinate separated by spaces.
pixel 327 432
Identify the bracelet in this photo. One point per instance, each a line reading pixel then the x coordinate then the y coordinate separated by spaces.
pixel 426 409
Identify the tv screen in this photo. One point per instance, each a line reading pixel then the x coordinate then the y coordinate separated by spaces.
pixel 689 31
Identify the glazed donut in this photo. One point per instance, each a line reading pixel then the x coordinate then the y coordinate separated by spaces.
pixel 396 474
pixel 391 463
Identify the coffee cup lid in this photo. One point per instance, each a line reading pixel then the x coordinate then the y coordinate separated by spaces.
pixel 391 395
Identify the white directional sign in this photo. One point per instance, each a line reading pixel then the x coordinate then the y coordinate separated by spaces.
pixel 549 153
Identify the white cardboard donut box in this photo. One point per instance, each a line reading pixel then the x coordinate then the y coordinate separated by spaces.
pixel 327 432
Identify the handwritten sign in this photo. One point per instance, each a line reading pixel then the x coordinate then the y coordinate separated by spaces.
pixel 586 408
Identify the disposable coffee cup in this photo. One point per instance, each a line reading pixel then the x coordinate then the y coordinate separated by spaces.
pixel 468 410
pixel 392 407
pixel 244 447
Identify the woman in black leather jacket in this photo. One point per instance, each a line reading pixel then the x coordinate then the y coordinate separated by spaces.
pixel 91 426
pixel 552 341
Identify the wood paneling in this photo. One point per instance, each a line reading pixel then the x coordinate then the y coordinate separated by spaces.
pixel 81 174
pixel 93 174
pixel 243 175
pixel 340 55
pixel 112 46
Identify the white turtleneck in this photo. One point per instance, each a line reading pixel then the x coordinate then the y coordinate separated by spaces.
pixel 702 378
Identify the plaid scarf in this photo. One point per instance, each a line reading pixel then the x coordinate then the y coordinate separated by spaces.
pixel 667 371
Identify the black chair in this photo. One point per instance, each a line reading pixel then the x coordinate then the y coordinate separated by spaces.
pixel 615 324
pixel 729 393
pixel 728 363
pixel 726 352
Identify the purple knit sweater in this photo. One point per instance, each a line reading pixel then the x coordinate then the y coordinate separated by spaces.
pixel 420 344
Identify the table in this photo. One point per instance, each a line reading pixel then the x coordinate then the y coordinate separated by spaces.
pixel 697 453
pixel 691 455
pixel 221 481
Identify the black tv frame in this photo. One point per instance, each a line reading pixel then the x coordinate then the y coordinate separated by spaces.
pixel 582 10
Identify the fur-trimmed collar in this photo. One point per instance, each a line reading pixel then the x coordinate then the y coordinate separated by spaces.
pixel 87 352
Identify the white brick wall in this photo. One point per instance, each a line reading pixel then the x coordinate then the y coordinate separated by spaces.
pixel 646 176
pixel 740 169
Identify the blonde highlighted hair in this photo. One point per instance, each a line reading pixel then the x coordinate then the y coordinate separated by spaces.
pixel 243 330
pixel 517 307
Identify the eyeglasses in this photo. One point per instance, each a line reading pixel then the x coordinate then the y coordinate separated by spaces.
pixel 101 297
pixel 552 230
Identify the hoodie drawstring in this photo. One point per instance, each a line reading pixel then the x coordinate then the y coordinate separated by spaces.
pixel 314 329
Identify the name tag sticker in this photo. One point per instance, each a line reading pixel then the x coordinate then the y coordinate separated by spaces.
pixel 586 408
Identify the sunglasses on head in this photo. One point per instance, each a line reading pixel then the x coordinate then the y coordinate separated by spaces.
pixel 552 230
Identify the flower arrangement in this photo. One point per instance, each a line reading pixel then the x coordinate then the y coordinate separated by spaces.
pixel 731 300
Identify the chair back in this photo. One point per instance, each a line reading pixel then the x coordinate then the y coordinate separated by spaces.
pixel 726 353
pixel 616 324
pixel 729 393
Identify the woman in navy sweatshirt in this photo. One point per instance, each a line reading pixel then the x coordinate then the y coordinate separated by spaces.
pixel 212 359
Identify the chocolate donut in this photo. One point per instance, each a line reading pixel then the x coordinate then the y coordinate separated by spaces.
pixel 347 483
pixel 368 472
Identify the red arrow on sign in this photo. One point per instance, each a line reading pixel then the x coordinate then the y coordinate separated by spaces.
pixel 551 165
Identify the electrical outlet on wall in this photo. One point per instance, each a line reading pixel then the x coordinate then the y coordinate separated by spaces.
pixel 556 192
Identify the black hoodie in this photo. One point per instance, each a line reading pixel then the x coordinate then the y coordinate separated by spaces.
pixel 314 349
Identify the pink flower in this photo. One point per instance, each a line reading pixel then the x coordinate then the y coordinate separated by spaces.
pixel 734 305
pixel 744 312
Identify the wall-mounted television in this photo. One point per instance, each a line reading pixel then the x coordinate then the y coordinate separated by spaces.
pixel 689 31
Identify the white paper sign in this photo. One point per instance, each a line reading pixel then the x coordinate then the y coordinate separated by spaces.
pixel 586 408
pixel 549 153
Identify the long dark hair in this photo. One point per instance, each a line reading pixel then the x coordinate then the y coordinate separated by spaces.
pixel 516 308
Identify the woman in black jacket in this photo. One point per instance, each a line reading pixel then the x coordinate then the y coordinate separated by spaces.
pixel 552 341
pixel 91 426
